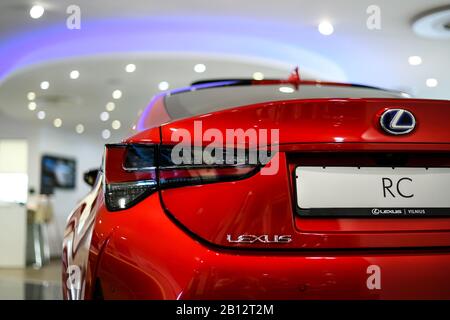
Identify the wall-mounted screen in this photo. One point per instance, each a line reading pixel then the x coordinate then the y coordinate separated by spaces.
pixel 57 172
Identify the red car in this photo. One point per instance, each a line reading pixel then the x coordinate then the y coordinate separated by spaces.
pixel 270 189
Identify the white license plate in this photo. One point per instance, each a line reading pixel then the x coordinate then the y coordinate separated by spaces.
pixel 372 191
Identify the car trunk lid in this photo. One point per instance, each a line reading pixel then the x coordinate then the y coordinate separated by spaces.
pixel 311 133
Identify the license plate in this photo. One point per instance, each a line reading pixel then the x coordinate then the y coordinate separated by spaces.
pixel 372 191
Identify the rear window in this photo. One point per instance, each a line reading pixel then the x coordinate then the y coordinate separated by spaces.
pixel 197 102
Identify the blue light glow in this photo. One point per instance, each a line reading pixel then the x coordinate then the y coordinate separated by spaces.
pixel 200 34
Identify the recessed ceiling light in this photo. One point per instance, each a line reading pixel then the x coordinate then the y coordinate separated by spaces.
pixel 117 94
pixel 104 116
pixel 286 89
pixel 258 76
pixel 133 127
pixel 431 82
pixel 106 134
pixel 74 74
pixel 415 60
pixel 41 115
pixel 110 106
pixel 130 67
pixel 31 95
pixel 163 85
pixel 57 122
pixel 45 85
pixel 32 106
pixel 36 11
pixel 326 28
pixel 199 68
pixel 79 128
pixel 116 124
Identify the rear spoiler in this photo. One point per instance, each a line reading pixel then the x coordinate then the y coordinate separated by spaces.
pixel 294 80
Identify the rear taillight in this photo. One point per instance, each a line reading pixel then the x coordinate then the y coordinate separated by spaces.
pixel 133 171
pixel 129 174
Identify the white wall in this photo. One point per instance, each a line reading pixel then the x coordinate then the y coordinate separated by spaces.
pixel 13 222
pixel 13 188
pixel 85 149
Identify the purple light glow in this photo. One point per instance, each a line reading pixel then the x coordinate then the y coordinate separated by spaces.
pixel 203 35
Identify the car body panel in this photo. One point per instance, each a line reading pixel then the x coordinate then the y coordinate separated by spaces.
pixel 263 205
pixel 326 120
pixel 174 244
pixel 180 267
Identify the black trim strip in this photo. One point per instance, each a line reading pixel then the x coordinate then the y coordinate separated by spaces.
pixel 374 213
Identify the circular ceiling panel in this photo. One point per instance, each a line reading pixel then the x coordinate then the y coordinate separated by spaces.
pixel 434 24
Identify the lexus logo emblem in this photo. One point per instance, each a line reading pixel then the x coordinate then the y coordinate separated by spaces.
pixel 397 121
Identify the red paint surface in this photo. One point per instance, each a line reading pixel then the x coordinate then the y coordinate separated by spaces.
pixel 172 245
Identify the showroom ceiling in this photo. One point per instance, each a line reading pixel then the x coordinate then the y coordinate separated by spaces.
pixel 231 38
pixel 85 100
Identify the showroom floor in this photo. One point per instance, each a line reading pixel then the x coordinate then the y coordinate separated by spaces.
pixel 31 284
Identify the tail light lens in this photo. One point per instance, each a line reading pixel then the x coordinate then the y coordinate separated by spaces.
pixel 134 171
pixel 130 174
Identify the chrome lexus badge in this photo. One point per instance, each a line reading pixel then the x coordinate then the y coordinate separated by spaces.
pixel 265 238
pixel 397 121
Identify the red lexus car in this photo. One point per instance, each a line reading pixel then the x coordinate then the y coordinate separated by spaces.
pixel 270 189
